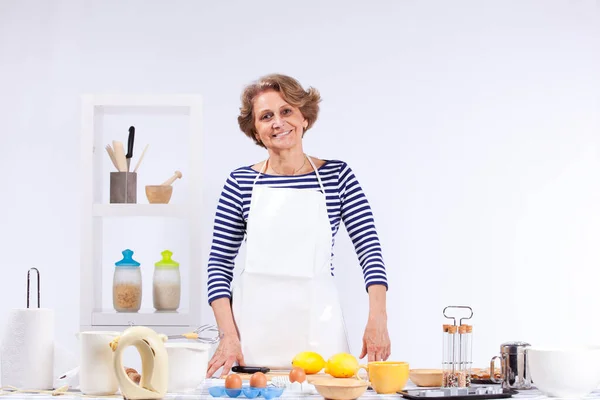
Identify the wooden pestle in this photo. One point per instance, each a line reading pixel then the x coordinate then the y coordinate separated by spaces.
pixel 169 181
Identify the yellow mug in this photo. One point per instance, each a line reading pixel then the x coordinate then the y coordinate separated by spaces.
pixel 387 377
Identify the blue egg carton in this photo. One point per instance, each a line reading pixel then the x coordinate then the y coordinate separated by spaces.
pixel 269 392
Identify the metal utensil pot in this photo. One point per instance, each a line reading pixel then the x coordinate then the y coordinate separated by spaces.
pixel 514 368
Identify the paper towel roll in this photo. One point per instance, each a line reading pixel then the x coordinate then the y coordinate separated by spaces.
pixel 27 353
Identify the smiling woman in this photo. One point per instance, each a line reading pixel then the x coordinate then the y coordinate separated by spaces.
pixel 275 95
pixel 278 125
pixel 289 208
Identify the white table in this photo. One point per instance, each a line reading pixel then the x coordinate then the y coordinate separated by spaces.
pixel 202 394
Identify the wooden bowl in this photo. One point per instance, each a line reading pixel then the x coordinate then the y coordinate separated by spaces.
pixel 341 388
pixel 426 377
pixel 159 194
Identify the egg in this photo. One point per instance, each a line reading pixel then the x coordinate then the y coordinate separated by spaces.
pixel 258 380
pixel 233 381
pixel 297 374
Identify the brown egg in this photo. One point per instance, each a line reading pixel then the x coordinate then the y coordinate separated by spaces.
pixel 297 374
pixel 233 381
pixel 258 380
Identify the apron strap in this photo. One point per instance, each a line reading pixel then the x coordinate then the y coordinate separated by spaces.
pixel 318 176
pixel 309 160
pixel 260 172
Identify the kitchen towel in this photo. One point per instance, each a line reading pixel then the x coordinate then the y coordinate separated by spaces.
pixel 27 349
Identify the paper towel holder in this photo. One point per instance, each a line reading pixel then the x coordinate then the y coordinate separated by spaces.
pixel 38 286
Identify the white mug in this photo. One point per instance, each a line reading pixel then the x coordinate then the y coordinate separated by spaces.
pixel 96 369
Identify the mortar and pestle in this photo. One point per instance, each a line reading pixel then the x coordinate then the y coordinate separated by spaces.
pixel 161 194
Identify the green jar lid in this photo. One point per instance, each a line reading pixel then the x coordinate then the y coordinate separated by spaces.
pixel 166 261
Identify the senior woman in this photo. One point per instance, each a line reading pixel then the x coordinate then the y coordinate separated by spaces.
pixel 289 208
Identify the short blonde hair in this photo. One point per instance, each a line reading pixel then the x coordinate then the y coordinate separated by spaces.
pixel 307 101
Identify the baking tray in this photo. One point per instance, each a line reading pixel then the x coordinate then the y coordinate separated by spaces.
pixel 473 393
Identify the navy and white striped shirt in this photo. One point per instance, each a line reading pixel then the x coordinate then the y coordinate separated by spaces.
pixel 345 202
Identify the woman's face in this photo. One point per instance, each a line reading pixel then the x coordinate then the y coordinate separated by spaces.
pixel 279 125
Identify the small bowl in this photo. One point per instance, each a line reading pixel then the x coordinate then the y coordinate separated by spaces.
pixel 426 377
pixel 341 388
pixel 186 360
pixel 159 194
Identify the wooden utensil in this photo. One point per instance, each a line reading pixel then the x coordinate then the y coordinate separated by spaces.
pixel 111 154
pixel 120 155
pixel 427 377
pixel 341 388
pixel 172 179
pixel 159 194
pixel 140 160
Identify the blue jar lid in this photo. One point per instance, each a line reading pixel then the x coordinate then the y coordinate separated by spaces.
pixel 127 261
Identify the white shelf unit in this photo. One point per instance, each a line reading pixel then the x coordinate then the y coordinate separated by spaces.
pixel 139 210
pixel 93 211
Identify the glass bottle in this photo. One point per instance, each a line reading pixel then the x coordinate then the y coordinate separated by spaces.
pixel 462 355
pixel 469 353
pixel 451 358
pixel 455 356
pixel 127 284
pixel 166 286
pixel 445 357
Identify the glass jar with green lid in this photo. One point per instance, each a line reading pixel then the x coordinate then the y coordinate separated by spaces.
pixel 166 285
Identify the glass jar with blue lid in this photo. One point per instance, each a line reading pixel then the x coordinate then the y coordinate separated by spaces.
pixel 127 284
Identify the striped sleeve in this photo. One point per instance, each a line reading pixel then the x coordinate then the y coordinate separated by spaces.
pixel 228 234
pixel 360 225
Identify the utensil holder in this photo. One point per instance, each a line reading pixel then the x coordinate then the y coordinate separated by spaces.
pixel 123 187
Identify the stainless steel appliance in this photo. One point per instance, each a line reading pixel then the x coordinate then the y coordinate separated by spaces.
pixel 514 368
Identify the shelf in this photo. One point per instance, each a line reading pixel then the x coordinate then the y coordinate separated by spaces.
pixel 143 100
pixel 98 111
pixel 140 210
pixel 149 104
pixel 143 317
pixel 166 330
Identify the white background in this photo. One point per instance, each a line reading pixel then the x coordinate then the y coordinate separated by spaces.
pixel 472 126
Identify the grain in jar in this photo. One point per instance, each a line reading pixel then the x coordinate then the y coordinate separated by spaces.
pixel 127 284
pixel 166 285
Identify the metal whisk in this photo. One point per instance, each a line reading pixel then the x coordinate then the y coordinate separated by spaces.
pixel 195 335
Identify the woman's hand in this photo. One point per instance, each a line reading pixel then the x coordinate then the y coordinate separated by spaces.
pixel 229 351
pixel 376 341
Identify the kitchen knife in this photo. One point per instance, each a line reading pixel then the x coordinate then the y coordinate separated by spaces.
pixel 249 370
pixel 130 146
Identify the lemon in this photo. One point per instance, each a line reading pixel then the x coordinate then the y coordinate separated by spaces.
pixel 342 365
pixel 309 361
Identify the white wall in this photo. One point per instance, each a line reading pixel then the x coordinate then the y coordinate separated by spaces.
pixel 472 126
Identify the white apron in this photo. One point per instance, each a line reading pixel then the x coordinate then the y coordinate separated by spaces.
pixel 285 301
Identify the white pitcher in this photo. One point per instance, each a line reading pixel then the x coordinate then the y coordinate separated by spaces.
pixel 96 370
